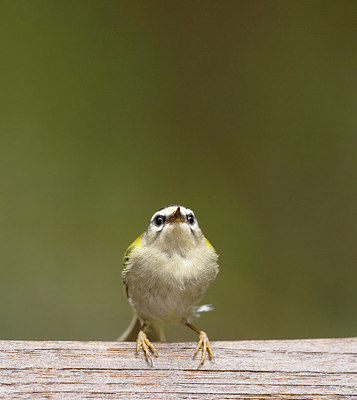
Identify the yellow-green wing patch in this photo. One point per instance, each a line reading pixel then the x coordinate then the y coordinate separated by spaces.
pixel 136 243
pixel 209 244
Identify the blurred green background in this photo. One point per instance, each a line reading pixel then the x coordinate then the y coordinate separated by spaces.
pixel 243 111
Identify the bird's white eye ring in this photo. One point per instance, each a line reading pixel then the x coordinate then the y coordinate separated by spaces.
pixel 159 220
pixel 190 219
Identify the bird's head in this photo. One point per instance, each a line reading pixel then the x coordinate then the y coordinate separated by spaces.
pixel 174 229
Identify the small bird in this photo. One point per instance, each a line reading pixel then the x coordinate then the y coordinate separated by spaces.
pixel 166 272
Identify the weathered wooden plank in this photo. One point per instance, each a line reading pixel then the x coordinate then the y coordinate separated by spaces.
pixel 288 369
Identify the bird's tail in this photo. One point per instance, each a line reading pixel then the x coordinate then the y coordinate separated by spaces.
pixel 156 333
pixel 131 332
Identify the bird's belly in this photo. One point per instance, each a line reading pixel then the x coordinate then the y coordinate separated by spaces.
pixel 166 305
pixel 170 295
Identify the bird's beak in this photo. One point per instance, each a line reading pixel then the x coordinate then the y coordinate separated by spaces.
pixel 176 217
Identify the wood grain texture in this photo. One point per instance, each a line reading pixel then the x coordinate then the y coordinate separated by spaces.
pixel 274 369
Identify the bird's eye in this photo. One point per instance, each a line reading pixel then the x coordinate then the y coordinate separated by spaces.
pixel 190 219
pixel 159 220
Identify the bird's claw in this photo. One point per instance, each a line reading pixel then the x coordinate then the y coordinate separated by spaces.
pixel 206 347
pixel 143 342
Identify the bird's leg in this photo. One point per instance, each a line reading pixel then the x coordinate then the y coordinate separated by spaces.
pixel 143 342
pixel 202 342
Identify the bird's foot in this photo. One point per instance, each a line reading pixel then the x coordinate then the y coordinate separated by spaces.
pixel 143 342
pixel 206 347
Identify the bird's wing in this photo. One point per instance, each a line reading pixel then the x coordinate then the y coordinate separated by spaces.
pixel 127 259
pixel 133 329
pixel 136 243
pixel 209 244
